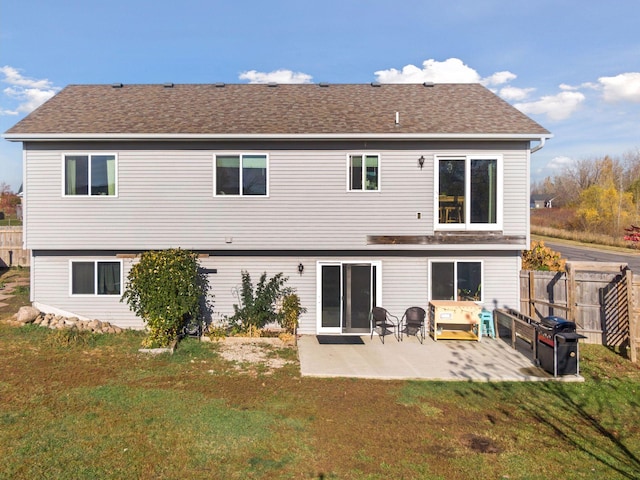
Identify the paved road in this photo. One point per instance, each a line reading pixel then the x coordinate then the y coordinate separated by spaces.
pixel 579 253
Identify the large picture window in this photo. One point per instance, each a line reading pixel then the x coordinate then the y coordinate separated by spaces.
pixel 91 175
pixel 469 192
pixel 241 175
pixel 456 280
pixel 96 278
pixel 364 172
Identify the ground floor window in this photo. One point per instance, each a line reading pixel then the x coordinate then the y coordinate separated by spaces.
pixel 96 278
pixel 456 280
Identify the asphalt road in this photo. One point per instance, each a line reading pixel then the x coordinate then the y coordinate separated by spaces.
pixel 594 254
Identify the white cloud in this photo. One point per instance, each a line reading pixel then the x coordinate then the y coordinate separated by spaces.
pixel 452 70
pixel 27 92
pixel 515 94
pixel 555 107
pixel 623 87
pixel 499 78
pixel 278 76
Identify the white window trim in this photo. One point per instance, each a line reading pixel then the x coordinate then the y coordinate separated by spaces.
pixel 364 155
pixel 319 265
pixel 241 155
pixel 92 154
pixel 455 262
pixel 468 226
pixel 95 277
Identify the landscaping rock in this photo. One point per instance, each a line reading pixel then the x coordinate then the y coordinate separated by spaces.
pixel 58 322
pixel 27 315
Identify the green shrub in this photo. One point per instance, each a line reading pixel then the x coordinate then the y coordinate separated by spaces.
pixel 166 290
pixel 259 305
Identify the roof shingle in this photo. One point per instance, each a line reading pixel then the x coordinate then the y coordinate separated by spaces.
pixel 245 109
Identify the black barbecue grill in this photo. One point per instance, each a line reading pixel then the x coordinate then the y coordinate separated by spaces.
pixel 557 346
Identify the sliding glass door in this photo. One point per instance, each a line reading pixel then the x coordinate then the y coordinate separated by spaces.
pixel 346 293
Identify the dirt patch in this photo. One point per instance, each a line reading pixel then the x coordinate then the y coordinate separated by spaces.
pixel 480 444
pixel 247 354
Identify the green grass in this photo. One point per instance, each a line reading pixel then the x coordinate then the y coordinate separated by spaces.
pixel 93 407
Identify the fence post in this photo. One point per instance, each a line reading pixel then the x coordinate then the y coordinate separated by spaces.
pixel 571 293
pixel 632 302
pixel 532 294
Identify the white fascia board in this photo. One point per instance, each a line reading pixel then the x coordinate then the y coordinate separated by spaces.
pixel 51 137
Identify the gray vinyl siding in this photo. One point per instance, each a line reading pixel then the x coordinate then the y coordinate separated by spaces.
pixel 404 283
pixel 165 197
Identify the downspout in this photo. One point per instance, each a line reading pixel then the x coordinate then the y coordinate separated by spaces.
pixel 543 140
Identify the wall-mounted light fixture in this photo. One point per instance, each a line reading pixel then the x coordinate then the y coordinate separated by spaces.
pixel 421 161
pixel 300 268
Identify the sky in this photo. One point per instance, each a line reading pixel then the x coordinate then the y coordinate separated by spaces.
pixel 572 66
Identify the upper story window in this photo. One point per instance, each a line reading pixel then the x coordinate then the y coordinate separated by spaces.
pixel 90 175
pixel 241 174
pixel 96 278
pixel 364 172
pixel 469 191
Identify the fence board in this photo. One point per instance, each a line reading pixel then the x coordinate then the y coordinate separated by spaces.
pixel 603 300
pixel 11 252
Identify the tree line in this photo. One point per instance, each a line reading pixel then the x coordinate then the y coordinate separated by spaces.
pixel 596 195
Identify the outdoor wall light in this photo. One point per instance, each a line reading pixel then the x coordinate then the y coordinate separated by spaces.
pixel 300 268
pixel 421 161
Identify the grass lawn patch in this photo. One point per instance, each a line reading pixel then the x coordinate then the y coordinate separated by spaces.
pixel 96 408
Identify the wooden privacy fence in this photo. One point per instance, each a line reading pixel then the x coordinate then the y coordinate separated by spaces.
pixel 603 299
pixel 11 252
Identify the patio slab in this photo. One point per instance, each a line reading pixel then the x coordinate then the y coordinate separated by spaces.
pixel 490 360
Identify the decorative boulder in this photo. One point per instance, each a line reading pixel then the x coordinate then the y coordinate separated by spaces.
pixel 27 315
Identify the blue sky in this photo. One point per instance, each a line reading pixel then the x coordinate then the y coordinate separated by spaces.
pixel 573 66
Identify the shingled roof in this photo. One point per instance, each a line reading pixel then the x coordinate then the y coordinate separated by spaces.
pixel 218 110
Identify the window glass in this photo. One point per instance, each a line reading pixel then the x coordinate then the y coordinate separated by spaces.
pixel 254 175
pixel 228 175
pixel 469 278
pixel 456 280
pixel 451 178
pixel 241 175
pixel 356 172
pixel 108 278
pixel 86 281
pixel 468 191
pixel 483 191
pixel 82 278
pixel 372 172
pixel 442 278
pixel 90 175
pixel 103 175
pixel 76 169
pixel 364 172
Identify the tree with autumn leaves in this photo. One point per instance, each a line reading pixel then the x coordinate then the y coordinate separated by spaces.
pixel 8 200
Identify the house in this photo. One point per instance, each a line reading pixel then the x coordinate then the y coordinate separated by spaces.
pixel 362 195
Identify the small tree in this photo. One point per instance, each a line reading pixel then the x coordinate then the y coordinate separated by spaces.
pixel 543 258
pixel 166 290
pixel 259 305
pixel 291 311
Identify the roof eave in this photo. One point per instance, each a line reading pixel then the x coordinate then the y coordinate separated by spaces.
pixel 65 137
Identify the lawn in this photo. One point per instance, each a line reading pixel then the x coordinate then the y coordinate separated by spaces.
pixel 93 407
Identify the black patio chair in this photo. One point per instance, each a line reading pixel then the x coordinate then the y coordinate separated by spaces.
pixel 383 322
pixel 413 323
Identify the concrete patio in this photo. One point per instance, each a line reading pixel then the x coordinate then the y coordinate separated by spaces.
pixel 489 360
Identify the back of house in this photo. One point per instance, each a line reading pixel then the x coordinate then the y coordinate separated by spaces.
pixel 362 195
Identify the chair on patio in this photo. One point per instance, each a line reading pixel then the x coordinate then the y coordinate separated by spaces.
pixel 413 323
pixel 383 322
